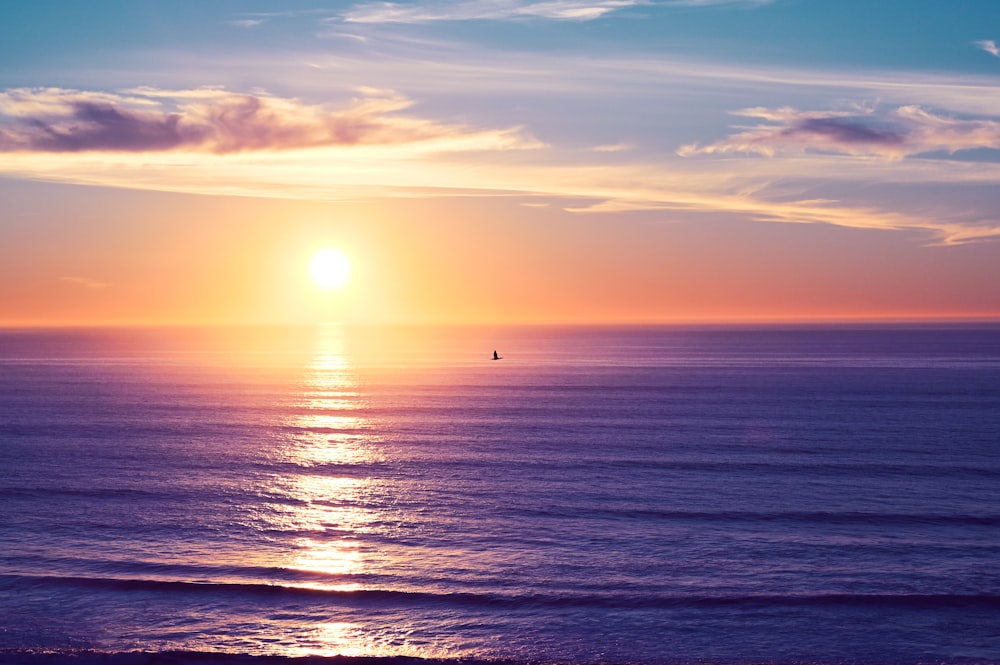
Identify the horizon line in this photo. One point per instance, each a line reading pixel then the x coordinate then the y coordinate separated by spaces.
pixel 721 321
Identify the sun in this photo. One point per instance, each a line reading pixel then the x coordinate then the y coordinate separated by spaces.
pixel 329 269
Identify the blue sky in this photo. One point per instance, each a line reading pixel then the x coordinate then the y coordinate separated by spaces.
pixel 871 117
pixel 907 34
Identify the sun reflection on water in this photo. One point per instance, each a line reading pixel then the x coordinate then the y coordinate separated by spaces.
pixel 340 638
pixel 330 507
pixel 330 444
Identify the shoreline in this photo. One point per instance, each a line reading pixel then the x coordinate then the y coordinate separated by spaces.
pixel 93 657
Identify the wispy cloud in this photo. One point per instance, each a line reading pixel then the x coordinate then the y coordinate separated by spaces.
pixel 470 10
pixel 213 120
pixel 498 10
pixel 989 46
pixel 397 154
pixel 806 211
pixel 711 3
pixel 85 282
pixel 613 147
pixel 901 132
pixel 790 190
pixel 248 22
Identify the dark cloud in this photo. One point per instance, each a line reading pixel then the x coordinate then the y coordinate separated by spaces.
pixel 102 127
pixel 895 134
pixel 65 121
pixel 847 131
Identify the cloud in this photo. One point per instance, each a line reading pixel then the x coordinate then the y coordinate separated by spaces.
pixel 471 10
pixel 758 208
pixel 989 46
pixel 498 10
pixel 85 282
pixel 806 189
pixel 248 22
pixel 396 154
pixel 711 3
pixel 902 132
pixel 213 120
pixel 613 147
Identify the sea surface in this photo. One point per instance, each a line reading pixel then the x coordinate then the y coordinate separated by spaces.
pixel 624 495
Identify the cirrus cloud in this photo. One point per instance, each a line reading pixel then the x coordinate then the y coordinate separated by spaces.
pixel 499 10
pixel 472 10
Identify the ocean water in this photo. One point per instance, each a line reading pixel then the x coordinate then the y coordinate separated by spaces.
pixel 639 495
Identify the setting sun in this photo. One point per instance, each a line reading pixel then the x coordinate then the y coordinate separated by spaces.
pixel 329 269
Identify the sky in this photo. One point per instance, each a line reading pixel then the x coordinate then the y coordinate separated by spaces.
pixel 499 161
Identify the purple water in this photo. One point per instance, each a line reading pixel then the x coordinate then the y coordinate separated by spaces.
pixel 644 495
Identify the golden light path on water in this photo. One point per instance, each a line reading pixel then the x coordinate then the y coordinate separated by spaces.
pixel 330 517
pixel 330 507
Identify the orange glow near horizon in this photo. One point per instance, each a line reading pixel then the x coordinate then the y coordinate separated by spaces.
pixel 149 259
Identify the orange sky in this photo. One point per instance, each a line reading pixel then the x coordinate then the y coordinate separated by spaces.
pixel 149 258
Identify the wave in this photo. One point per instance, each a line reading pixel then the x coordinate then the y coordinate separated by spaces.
pixel 811 517
pixel 90 657
pixel 115 568
pixel 798 466
pixel 389 597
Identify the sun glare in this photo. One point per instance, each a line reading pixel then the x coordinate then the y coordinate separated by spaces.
pixel 329 269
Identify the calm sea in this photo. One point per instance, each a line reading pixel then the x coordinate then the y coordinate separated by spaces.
pixel 643 495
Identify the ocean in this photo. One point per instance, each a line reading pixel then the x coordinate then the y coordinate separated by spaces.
pixel 639 495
